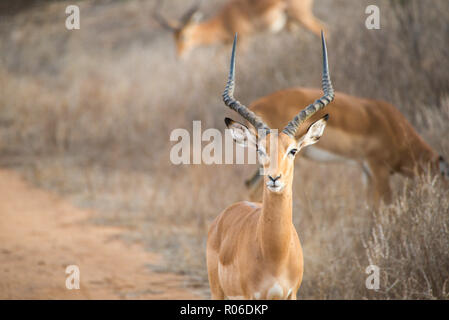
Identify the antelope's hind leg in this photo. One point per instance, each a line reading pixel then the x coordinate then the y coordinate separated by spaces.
pixel 301 11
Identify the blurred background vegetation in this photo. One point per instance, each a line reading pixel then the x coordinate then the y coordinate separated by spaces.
pixel 88 114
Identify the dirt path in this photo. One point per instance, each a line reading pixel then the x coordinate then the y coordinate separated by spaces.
pixel 41 234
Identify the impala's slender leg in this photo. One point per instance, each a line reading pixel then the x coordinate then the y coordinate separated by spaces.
pixel 367 180
pixel 379 185
pixel 301 11
pixel 313 24
pixel 292 296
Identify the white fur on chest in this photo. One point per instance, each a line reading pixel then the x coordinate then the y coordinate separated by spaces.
pixel 276 292
pixel 275 289
pixel 278 23
pixel 270 288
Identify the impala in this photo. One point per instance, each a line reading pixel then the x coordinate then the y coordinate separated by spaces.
pixel 253 249
pixel 372 134
pixel 243 16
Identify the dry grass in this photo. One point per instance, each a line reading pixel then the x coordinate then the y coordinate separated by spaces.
pixel 88 114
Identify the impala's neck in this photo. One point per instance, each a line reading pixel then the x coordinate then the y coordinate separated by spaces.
pixel 209 32
pixel 275 224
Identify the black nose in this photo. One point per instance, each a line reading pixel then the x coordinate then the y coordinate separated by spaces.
pixel 274 180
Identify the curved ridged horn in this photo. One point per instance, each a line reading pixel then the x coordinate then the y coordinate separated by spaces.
pixel 231 102
pixel 319 104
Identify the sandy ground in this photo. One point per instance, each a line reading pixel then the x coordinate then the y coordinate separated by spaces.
pixel 41 234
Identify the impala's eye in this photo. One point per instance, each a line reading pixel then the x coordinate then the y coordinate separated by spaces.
pixel 293 151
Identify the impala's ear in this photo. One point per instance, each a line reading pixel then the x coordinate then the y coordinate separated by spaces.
pixel 314 133
pixel 196 17
pixel 241 134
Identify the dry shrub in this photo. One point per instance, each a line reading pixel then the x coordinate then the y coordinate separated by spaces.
pixel 409 241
